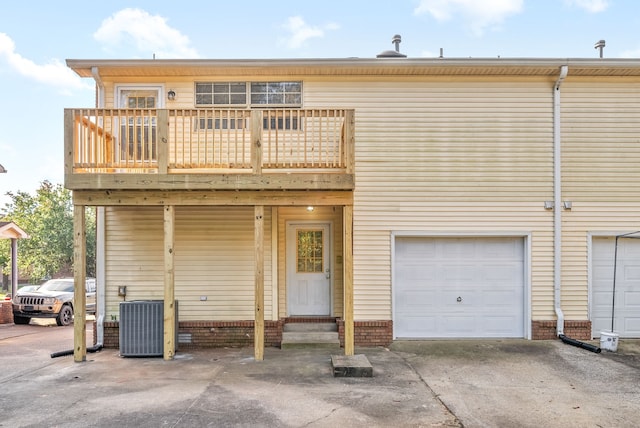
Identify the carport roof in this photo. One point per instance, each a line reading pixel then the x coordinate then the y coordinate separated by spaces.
pixel 9 230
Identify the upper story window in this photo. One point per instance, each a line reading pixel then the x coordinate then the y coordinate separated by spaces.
pixel 241 94
pixel 276 93
pixel 221 94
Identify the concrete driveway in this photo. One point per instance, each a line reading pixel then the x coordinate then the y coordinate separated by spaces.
pixel 513 383
pixel 415 384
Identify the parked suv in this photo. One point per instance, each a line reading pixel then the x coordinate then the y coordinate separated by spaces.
pixel 54 299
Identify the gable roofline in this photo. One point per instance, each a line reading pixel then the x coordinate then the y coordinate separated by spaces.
pixel 356 66
pixel 9 230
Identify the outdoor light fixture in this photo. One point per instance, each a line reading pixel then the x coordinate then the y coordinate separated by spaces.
pixel 171 95
pixel 310 208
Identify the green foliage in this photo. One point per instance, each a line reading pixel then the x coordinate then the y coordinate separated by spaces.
pixel 47 217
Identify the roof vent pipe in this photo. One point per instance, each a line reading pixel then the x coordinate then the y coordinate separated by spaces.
pixel 600 45
pixel 396 41
pixel 393 54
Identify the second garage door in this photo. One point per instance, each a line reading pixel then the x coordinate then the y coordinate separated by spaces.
pixel 458 287
pixel 626 315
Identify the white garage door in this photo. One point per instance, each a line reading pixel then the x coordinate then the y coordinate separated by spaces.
pixel 458 287
pixel 627 299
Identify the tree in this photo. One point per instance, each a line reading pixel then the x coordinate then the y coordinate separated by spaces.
pixel 47 217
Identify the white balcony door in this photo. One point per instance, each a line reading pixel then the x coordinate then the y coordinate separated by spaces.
pixel 138 130
pixel 308 269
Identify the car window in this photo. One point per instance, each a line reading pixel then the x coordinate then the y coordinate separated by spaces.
pixel 57 285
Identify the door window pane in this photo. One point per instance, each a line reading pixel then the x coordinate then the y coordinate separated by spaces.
pixel 309 252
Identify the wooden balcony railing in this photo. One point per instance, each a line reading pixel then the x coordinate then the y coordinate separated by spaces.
pixel 208 141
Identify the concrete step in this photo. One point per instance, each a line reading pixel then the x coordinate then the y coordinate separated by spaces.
pixel 312 339
pixel 310 327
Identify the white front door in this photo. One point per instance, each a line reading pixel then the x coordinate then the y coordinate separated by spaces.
pixel 308 269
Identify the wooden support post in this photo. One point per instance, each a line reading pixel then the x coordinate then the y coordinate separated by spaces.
pixel 162 144
pixel 256 141
pixel 79 285
pixel 14 266
pixel 259 283
pixel 169 283
pixel 69 146
pixel 349 341
pixel 349 140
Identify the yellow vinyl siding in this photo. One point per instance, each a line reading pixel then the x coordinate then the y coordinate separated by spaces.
pixel 213 259
pixel 601 141
pixel 447 157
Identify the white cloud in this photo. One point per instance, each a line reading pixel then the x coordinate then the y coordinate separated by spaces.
pixel 55 73
pixel 301 31
pixel 591 6
pixel 478 14
pixel 148 33
pixel 631 54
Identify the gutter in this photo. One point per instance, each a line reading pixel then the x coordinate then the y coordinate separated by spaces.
pixel 557 197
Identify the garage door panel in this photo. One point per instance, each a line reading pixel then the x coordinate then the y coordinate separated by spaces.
pixel 460 326
pixel 458 272
pixel 416 300
pixel 632 300
pixel 632 326
pixel 414 250
pixel 502 298
pixel 413 326
pixel 450 298
pixel 499 326
pixel 472 287
pixel 501 274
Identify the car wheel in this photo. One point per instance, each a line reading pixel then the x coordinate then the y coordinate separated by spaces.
pixel 17 319
pixel 65 316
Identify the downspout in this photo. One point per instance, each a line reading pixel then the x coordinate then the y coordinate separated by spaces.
pixel 100 239
pixel 557 198
pixel 557 218
pixel 99 87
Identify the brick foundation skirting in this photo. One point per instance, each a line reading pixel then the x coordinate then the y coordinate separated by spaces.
pixel 545 330
pixel 369 333
pixel 6 312
pixel 217 334
pixel 209 334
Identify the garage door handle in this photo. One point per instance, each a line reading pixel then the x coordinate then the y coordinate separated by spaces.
pixel 459 299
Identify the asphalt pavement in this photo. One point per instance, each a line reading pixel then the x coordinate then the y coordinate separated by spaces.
pixel 484 383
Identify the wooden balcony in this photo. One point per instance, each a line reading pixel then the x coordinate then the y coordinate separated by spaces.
pixel 207 149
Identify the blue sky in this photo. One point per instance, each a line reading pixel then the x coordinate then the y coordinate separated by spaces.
pixel 35 40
